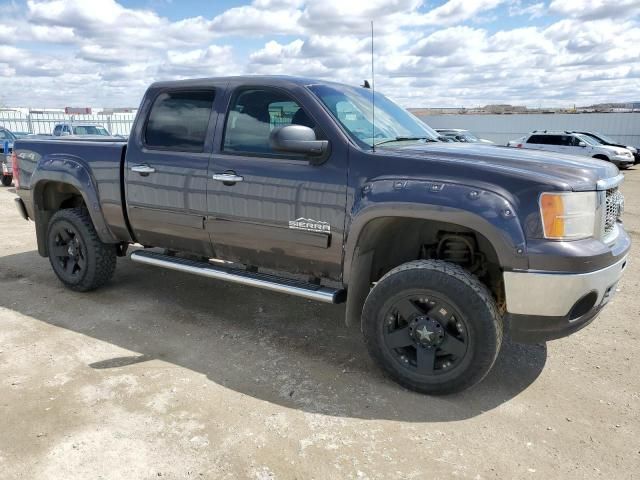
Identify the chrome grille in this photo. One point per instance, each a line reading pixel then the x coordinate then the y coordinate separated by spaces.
pixel 614 209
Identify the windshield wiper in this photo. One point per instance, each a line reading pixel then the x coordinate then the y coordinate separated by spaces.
pixel 404 139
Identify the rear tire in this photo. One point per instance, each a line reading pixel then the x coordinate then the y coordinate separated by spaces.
pixel 432 327
pixel 78 257
pixel 6 180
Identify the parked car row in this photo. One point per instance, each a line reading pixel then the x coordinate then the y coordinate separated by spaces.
pixel 460 135
pixel 7 137
pixel 586 144
pixel 581 143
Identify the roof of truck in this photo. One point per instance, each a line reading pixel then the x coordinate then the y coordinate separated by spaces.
pixel 267 80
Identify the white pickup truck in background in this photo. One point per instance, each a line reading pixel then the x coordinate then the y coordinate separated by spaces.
pixel 80 129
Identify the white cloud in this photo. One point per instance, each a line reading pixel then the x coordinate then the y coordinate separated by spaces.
pixel 262 17
pixel 456 11
pixel 595 9
pixel 533 10
pixel 462 52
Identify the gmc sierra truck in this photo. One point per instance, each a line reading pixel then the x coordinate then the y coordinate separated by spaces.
pixel 291 184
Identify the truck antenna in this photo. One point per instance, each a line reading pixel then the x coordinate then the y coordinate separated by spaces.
pixel 373 98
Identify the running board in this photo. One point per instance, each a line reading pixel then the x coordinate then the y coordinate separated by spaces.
pixel 244 277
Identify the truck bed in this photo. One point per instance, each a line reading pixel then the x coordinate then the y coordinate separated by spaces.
pixel 104 158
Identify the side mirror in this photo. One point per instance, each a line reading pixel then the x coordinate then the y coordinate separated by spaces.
pixel 582 144
pixel 297 139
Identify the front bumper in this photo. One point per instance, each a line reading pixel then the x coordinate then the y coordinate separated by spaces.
pixel 543 306
pixel 623 159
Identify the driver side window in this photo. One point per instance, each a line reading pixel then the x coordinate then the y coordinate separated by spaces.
pixel 254 114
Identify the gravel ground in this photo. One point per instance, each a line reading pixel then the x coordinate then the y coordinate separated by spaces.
pixel 162 374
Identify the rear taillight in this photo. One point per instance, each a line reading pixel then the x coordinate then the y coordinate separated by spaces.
pixel 16 170
pixel 519 145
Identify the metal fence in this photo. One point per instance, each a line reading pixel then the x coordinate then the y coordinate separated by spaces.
pixel 43 122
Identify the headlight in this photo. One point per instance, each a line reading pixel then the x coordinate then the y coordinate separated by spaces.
pixel 568 215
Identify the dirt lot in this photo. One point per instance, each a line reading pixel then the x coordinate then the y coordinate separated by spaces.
pixel 162 374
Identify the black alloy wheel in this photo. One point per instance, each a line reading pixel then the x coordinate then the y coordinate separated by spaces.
pixel 78 257
pixel 425 334
pixel 68 250
pixel 432 326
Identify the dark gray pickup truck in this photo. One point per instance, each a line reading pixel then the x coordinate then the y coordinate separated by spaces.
pixel 286 184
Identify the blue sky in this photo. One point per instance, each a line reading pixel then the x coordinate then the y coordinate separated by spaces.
pixel 444 53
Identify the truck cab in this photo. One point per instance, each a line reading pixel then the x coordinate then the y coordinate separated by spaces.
pixel 294 185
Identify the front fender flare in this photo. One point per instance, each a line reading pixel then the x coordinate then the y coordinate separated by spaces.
pixel 500 227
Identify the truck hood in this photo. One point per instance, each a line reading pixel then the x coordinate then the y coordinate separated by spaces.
pixel 565 171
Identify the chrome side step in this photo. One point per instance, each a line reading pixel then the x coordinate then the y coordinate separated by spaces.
pixel 244 277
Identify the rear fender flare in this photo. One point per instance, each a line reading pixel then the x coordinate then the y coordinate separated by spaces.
pixel 69 170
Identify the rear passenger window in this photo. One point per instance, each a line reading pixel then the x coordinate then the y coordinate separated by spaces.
pixel 539 139
pixel 254 114
pixel 555 140
pixel 179 120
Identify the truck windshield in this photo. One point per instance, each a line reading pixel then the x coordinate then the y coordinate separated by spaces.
pixel 352 107
pixel 604 138
pixel 589 140
pixel 7 135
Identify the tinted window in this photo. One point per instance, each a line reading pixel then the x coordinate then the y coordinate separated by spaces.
pixel 254 114
pixel 57 130
pixel 540 139
pixel 179 120
pixel 556 140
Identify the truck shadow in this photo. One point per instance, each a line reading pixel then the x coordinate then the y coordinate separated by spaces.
pixel 285 350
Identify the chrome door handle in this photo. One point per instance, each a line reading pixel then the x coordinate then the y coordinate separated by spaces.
pixel 227 177
pixel 143 169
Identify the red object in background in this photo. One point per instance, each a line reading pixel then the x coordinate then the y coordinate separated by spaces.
pixel 16 171
pixel 80 111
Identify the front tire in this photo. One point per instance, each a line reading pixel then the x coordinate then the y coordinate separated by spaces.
pixel 78 258
pixel 6 180
pixel 432 327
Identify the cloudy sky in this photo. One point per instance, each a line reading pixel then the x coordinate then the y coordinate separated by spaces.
pixel 56 53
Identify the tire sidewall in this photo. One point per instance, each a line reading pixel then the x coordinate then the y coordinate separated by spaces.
pixel 482 335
